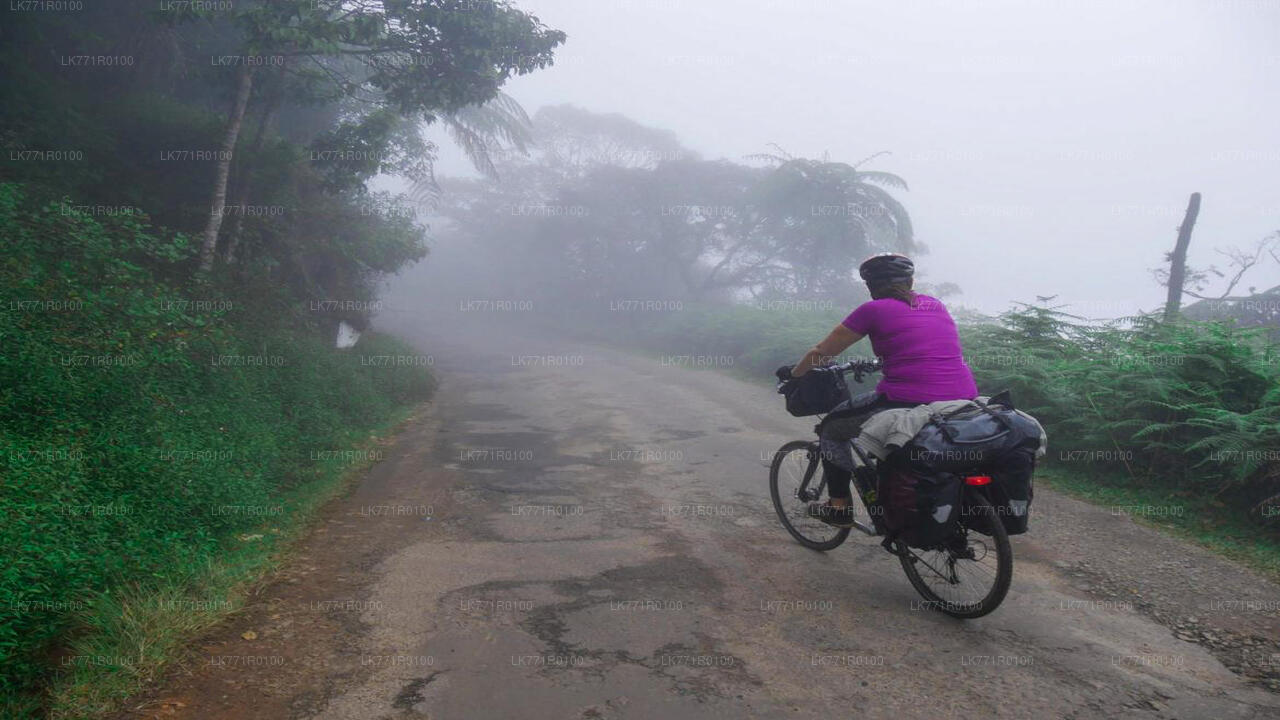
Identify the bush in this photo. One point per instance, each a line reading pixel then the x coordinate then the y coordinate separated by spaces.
pixel 133 414
pixel 1192 407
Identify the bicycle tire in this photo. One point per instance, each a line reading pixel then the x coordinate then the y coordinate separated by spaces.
pixel 774 469
pixel 999 589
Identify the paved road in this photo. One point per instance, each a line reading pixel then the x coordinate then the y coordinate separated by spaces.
pixel 573 532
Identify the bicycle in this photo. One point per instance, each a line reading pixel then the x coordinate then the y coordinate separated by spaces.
pixel 937 573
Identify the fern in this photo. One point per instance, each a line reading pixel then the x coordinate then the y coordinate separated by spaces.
pixel 1197 404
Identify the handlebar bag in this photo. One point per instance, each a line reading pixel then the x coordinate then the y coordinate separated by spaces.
pixel 814 393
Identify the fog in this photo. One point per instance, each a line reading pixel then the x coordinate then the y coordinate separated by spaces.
pixel 474 359
pixel 1050 147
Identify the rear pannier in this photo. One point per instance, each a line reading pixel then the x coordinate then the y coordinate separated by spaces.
pixel 1010 489
pixel 920 508
pixel 991 439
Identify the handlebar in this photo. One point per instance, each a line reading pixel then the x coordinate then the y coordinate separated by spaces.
pixel 866 366
pixel 857 367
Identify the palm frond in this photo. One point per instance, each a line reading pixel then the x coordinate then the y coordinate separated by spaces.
pixel 882 178
pixel 778 157
pixel 901 218
pixel 479 130
pixel 869 158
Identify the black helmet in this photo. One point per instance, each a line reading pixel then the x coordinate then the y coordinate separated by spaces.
pixel 886 269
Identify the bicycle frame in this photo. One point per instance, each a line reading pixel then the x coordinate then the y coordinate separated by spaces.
pixel 807 495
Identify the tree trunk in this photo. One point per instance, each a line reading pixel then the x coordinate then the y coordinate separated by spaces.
pixel 1178 259
pixel 209 243
pixel 245 174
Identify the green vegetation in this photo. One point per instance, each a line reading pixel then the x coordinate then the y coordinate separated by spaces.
pixel 126 637
pixel 1191 407
pixel 146 424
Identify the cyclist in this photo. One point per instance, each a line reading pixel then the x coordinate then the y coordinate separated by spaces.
pixel 916 340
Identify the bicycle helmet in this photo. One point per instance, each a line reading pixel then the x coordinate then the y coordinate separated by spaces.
pixel 886 269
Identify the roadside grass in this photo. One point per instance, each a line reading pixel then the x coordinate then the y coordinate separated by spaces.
pixel 1187 516
pixel 128 637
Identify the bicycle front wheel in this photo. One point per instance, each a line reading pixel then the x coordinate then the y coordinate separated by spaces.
pixel 795 480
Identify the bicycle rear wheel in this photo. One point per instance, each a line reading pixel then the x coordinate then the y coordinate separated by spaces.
pixel 791 494
pixel 970 576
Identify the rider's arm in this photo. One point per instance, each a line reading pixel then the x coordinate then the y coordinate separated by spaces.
pixel 837 342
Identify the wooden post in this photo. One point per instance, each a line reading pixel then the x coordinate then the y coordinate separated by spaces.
pixel 1178 260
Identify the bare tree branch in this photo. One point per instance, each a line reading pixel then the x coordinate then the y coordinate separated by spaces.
pixel 1240 260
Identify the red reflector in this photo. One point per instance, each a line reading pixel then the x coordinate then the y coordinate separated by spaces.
pixel 977 480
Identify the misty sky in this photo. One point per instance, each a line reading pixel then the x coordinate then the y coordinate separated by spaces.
pixel 1050 145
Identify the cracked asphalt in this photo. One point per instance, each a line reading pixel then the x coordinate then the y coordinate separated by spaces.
pixel 570 531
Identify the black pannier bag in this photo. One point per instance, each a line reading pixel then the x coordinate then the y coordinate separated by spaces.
pixel 921 509
pixel 989 440
pixel 814 393
pixel 1010 489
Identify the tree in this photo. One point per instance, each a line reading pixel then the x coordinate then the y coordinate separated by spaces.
pixel 1239 262
pixel 523 222
pixel 418 58
pixel 576 140
pixel 1182 279
pixel 635 232
pixel 824 217
pixel 482 130
pixel 1178 259
pixel 595 210
pixel 486 133
pixel 218 204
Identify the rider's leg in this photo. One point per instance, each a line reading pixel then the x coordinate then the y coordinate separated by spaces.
pixel 837 429
pixel 838 480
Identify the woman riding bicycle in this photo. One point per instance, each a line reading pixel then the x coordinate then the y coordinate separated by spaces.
pixel 915 338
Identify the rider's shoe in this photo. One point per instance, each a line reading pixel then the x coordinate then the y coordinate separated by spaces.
pixel 841 517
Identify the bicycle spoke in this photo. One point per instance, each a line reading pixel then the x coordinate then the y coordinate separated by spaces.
pixel 959 582
pixel 794 493
pixel 926 563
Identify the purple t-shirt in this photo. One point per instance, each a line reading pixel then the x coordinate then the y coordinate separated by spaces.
pixel 920 348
